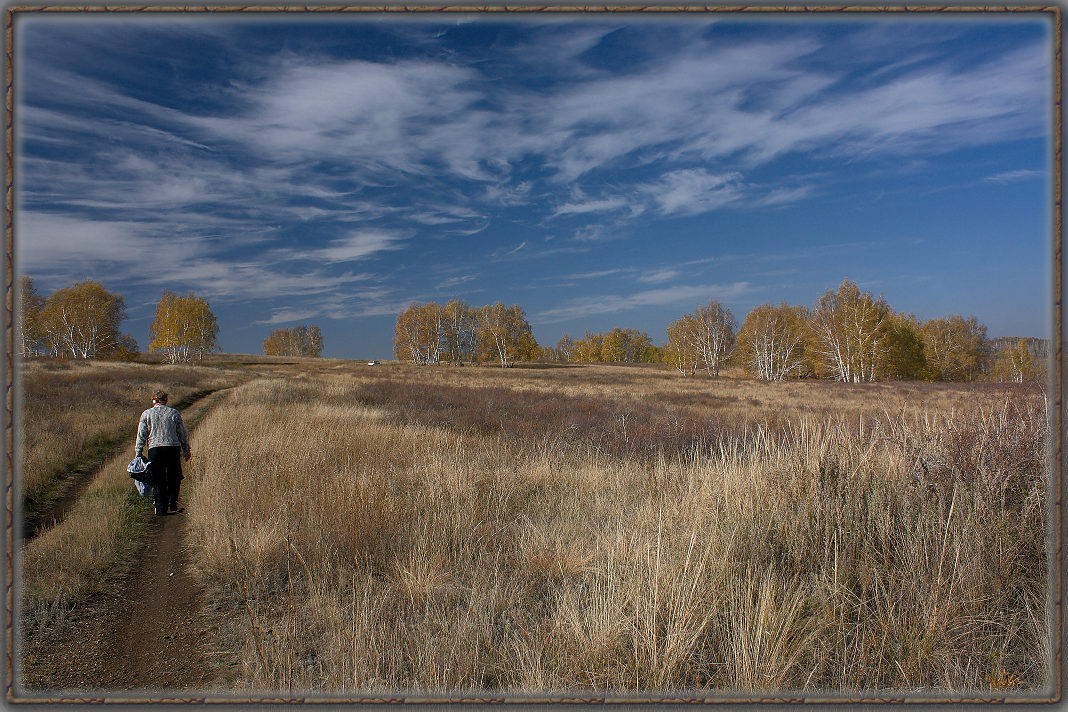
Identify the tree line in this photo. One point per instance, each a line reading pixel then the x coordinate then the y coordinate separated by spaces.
pixel 847 335
pixel 83 320
pixel 456 332
pixel 298 340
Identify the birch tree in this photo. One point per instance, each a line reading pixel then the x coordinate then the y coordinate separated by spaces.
pixel 589 348
pixel 418 332
pixel 565 348
pixel 298 340
pixel 849 331
pixel 715 335
pixel 625 346
pixel 504 333
pixel 183 328
pixel 681 350
pixel 771 341
pixel 905 359
pixel 1018 364
pixel 82 321
pixel 955 348
pixel 459 332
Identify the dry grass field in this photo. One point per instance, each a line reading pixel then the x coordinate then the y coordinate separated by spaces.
pixel 599 528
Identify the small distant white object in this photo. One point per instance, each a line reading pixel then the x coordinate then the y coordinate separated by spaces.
pixel 372 363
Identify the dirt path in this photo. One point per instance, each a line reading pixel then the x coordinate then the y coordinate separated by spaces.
pixel 151 636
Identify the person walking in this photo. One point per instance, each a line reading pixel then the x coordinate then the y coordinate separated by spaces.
pixel 162 429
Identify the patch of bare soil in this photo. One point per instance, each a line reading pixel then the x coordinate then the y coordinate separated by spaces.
pixel 151 637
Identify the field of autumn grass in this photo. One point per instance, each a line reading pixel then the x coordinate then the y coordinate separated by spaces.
pixel 605 529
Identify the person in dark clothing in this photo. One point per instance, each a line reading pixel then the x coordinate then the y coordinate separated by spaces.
pixel 162 429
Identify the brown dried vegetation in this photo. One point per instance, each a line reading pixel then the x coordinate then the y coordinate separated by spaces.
pixel 465 529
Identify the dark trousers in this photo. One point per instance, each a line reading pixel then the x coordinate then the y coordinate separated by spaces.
pixel 167 472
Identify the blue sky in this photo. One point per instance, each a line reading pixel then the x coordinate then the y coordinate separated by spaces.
pixel 601 170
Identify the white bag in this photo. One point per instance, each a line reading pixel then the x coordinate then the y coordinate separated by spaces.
pixel 137 469
pixel 143 489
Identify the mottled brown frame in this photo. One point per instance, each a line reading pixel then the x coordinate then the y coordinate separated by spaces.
pixel 1056 383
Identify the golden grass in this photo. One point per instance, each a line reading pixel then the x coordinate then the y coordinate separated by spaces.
pixel 394 530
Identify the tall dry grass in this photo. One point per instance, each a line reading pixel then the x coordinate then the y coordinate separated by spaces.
pixel 374 534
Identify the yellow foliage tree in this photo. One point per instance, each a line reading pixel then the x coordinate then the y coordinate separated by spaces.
pixel 625 346
pixel 504 334
pixel 681 350
pixel 955 348
pixel 184 327
pixel 417 336
pixel 850 333
pixel 904 359
pixel 705 338
pixel 299 340
pixel 565 349
pixel 28 322
pixel 1018 364
pixel 82 321
pixel 588 349
pixel 459 331
pixel 772 341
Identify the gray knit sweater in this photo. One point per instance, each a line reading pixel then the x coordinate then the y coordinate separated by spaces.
pixel 161 426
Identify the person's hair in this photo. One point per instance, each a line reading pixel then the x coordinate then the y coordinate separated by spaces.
pixel 160 396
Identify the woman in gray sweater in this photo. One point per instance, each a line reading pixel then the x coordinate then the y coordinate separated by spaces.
pixel 162 429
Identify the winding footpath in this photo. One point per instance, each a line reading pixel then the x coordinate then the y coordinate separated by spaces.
pixel 149 637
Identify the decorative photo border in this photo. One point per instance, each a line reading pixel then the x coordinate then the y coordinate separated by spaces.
pixel 1052 13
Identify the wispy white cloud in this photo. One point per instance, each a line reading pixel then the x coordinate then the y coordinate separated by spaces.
pixel 506 253
pixel 288 315
pixel 657 276
pixel 1015 176
pixel 933 108
pixel 781 196
pixel 613 303
pixel 377 115
pixel 508 195
pixel 683 192
pixel 596 274
pixel 693 191
pixel 241 280
pixel 456 281
pixel 358 245
pixel 597 232
pixel 136 254
pixel 591 206
pixel 559 48
pixel 46 242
